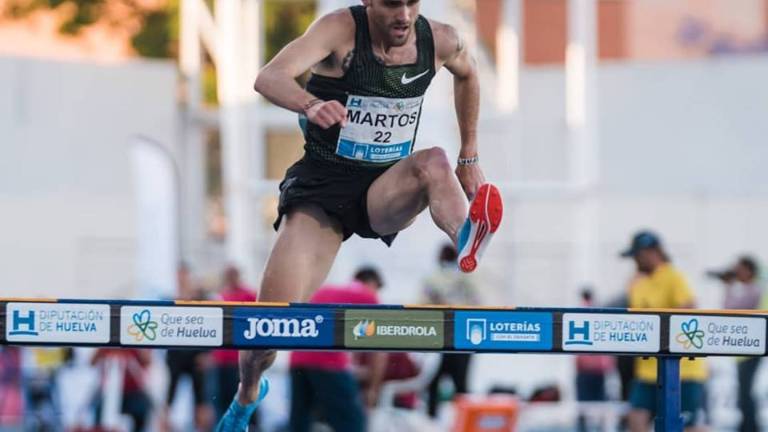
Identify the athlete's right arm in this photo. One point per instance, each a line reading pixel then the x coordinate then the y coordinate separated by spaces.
pixel 277 80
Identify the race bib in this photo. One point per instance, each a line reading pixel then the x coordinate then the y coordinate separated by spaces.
pixel 379 130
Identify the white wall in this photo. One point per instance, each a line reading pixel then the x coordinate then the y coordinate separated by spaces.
pixel 66 199
pixel 688 126
pixel 692 127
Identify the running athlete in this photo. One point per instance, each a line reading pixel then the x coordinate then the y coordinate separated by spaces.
pixel 360 111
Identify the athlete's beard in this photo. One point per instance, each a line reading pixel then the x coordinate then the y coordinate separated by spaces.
pixel 398 41
pixel 392 36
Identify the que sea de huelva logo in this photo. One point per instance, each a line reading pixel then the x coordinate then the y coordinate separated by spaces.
pixel 143 326
pixel 690 335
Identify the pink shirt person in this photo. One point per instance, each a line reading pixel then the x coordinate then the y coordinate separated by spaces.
pixel 353 293
pixel 234 291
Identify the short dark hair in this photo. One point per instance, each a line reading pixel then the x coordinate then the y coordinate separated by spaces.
pixel 586 294
pixel 749 263
pixel 368 274
pixel 448 253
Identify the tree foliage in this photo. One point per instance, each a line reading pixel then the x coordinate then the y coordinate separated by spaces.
pixel 285 21
pixel 157 34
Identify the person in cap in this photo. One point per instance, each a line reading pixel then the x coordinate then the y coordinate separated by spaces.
pixel 659 284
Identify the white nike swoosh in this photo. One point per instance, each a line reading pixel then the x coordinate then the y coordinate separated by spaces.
pixel 405 80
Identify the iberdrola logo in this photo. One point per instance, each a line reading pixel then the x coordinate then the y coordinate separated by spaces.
pixel 364 328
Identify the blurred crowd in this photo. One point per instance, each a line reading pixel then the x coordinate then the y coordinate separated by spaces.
pixel 342 390
pixel 658 284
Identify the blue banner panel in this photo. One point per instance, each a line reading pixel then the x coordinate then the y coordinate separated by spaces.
pixel 283 327
pixel 503 331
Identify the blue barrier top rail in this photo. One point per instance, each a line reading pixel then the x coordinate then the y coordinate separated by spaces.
pixel 185 324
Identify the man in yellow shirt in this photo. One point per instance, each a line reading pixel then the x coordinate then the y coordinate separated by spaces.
pixel 660 285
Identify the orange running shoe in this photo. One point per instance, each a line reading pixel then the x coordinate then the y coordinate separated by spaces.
pixel 483 221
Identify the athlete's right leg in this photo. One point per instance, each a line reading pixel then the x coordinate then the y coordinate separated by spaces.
pixel 306 246
pixel 307 243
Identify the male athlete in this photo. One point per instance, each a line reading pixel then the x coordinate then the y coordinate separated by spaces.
pixel 360 111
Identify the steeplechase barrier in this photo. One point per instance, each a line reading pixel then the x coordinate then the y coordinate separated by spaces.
pixel 668 335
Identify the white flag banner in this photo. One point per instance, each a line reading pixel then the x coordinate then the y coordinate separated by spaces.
pixel 157 234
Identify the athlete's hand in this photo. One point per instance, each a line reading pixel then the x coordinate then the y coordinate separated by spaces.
pixel 327 114
pixel 471 178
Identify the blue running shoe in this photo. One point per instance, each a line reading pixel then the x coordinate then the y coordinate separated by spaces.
pixel 237 417
pixel 484 218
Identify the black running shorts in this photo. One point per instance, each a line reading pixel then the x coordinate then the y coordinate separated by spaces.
pixel 340 191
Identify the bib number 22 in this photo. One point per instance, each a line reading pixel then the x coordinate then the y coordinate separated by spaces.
pixel 382 137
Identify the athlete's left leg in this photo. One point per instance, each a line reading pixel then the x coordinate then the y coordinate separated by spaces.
pixel 426 179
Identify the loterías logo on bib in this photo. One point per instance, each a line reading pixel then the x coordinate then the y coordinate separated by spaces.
pixel 283 327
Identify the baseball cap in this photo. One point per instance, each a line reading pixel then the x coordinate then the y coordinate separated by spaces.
pixel 642 240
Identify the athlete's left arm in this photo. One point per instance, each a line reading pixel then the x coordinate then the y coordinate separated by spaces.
pixel 452 52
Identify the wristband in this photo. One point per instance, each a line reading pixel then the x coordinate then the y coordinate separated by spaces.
pixel 468 161
pixel 311 103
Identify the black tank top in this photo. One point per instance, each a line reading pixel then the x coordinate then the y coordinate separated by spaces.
pixel 383 103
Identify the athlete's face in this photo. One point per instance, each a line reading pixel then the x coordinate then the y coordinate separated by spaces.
pixel 393 19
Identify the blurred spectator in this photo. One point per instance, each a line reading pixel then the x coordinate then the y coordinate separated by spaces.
pixel 449 286
pixel 322 384
pixel 136 402
pixel 225 362
pixel 189 362
pixel 743 291
pixel 397 365
pixel 591 371
pixel 742 288
pixel 658 284
pixel 625 366
pixel 43 407
pixel 10 386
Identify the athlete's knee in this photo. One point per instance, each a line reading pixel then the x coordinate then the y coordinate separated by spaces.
pixel 433 164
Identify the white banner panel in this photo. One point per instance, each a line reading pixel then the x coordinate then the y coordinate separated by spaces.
pixel 699 334
pixel 611 332
pixel 57 322
pixel 171 326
